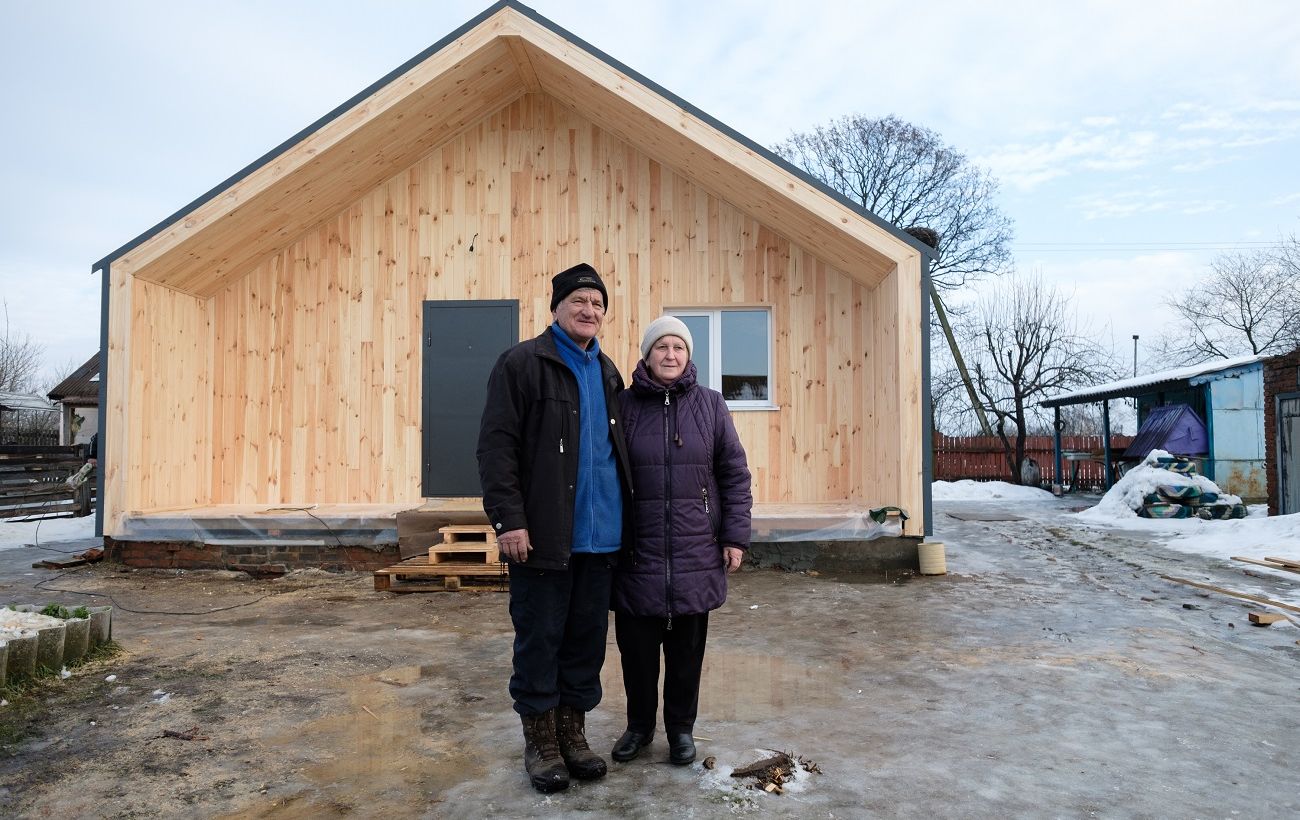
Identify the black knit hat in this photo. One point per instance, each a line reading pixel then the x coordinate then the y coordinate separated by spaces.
pixel 578 276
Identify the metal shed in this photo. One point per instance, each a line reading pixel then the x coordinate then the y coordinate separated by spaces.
pixel 1227 394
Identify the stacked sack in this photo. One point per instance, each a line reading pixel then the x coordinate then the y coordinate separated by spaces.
pixel 1186 501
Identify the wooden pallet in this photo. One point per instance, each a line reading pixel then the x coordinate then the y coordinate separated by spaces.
pixel 419 574
pixel 466 543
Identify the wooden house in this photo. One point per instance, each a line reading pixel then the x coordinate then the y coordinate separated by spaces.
pixel 78 396
pixel 317 329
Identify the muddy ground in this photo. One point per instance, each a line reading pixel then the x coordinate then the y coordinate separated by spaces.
pixel 1051 673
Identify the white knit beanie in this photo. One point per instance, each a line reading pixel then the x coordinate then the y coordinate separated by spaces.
pixel 666 326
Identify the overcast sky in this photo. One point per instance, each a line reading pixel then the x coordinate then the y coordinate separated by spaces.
pixel 1133 141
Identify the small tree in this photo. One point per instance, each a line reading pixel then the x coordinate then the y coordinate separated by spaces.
pixel 1250 304
pixel 1026 345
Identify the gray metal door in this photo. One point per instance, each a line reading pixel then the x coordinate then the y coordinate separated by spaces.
pixel 462 341
pixel 1288 453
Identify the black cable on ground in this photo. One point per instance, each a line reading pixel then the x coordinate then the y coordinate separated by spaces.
pixel 41 585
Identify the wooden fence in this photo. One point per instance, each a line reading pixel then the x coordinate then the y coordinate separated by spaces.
pixel 33 482
pixel 982 458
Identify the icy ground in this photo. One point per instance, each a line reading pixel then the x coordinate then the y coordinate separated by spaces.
pixel 1189 548
pixel 19 533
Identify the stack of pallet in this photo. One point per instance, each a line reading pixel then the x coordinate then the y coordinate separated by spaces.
pixel 466 555
pixel 1188 500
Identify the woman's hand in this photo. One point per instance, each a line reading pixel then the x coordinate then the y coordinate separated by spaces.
pixel 732 557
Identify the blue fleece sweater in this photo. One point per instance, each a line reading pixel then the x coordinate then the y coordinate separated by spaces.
pixel 598 501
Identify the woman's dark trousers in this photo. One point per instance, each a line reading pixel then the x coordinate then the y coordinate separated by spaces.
pixel 640 640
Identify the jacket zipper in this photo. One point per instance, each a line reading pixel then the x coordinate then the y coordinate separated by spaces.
pixel 668 524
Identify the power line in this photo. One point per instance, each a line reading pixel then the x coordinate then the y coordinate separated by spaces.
pixel 1065 247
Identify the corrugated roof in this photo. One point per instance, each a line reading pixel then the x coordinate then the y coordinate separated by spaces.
pixel 82 385
pixel 24 401
pixel 1146 384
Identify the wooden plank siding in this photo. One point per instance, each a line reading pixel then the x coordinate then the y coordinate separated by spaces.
pixel 299 381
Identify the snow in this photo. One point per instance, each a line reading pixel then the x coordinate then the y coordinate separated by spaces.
pixel 1257 536
pixel 1122 500
pixel 967 490
pixel 1151 379
pixel 17 533
pixel 15 624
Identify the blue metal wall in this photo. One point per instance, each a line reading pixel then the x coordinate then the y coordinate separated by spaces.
pixel 1236 422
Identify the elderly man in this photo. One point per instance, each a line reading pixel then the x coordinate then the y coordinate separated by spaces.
pixel 553 467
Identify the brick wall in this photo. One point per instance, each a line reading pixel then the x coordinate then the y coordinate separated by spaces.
pixel 260 560
pixel 1281 375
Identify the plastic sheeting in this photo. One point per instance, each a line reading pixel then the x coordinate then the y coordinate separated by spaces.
pixel 376 524
pixel 237 525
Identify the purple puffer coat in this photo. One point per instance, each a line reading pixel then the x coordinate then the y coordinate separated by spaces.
pixel 686 459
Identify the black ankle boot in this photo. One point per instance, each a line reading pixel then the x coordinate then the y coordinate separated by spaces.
pixel 681 748
pixel 630 745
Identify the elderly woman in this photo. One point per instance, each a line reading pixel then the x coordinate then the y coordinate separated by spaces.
pixel 691 525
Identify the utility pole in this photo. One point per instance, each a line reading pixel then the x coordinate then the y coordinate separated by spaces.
pixel 1136 425
pixel 961 363
pixel 931 238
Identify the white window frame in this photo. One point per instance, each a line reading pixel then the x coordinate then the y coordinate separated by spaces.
pixel 714 315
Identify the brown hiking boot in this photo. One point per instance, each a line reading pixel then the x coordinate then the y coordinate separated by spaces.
pixel 542 754
pixel 582 762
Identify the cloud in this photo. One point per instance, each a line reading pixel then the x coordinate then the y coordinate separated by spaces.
pixel 1125 204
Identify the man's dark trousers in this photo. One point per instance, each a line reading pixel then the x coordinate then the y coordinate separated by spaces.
pixel 561 620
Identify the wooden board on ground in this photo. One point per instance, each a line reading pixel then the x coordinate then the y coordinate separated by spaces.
pixel 1286 562
pixel 1267 562
pixel 419 574
pixel 1264 618
pixel 1256 598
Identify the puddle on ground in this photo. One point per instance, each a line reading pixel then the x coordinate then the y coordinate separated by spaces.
pixel 377 753
pixel 738 686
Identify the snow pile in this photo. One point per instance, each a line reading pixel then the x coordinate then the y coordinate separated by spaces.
pixel 20 533
pixel 23 624
pixel 1124 499
pixel 967 490
pixel 1254 537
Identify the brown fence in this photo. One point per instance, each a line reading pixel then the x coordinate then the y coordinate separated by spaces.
pixel 34 482
pixel 982 458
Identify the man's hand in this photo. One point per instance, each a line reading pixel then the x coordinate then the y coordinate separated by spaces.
pixel 515 545
pixel 732 557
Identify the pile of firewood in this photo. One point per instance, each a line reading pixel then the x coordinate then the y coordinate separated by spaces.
pixel 772 773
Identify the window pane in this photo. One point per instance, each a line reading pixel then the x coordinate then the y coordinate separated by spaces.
pixel 699 328
pixel 744 355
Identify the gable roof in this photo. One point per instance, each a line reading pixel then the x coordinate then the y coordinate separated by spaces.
pixel 81 386
pixel 507 51
pixel 1153 382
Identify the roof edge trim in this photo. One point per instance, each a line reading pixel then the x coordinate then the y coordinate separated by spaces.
pixel 337 111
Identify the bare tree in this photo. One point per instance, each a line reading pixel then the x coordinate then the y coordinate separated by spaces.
pixel 1250 304
pixel 1026 344
pixel 20 359
pixel 906 175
